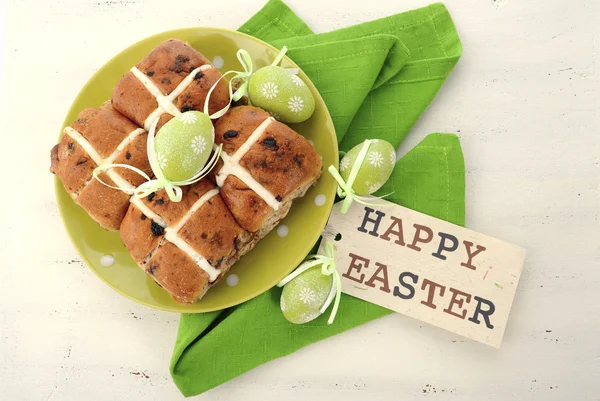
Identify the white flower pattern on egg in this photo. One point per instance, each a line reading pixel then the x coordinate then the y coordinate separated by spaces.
pixel 270 90
pixel 375 170
pixel 307 295
pixel 188 118
pixel 292 100
pixel 198 144
pixel 374 187
pixel 296 104
pixel 375 159
pixel 393 156
pixel 345 163
pixel 297 80
pixel 162 160
pixel 183 145
pixel 274 115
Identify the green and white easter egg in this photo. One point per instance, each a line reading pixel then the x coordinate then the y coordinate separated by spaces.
pixel 303 297
pixel 375 169
pixel 184 144
pixel 282 93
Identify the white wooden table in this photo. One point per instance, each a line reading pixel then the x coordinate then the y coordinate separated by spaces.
pixel 524 100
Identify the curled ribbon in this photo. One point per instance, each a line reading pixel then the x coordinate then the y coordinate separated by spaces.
pixel 345 190
pixel 328 268
pixel 246 61
pixel 172 188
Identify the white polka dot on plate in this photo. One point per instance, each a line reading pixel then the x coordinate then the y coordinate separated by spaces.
pixel 320 200
pixel 232 280
pixel 282 230
pixel 107 260
pixel 311 142
pixel 218 62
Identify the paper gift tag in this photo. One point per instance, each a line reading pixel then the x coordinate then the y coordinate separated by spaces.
pixel 427 268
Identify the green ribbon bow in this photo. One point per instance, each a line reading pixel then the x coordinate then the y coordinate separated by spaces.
pixel 345 190
pixel 172 188
pixel 328 268
pixel 246 61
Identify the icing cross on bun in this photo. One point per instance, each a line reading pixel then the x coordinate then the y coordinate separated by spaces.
pixel 101 136
pixel 270 158
pixel 171 79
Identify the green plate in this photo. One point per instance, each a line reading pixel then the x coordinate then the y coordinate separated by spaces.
pixel 275 256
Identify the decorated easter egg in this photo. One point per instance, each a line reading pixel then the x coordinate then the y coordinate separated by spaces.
pixel 375 169
pixel 184 144
pixel 282 93
pixel 303 297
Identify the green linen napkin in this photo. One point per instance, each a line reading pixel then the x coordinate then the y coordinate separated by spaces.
pixel 376 79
